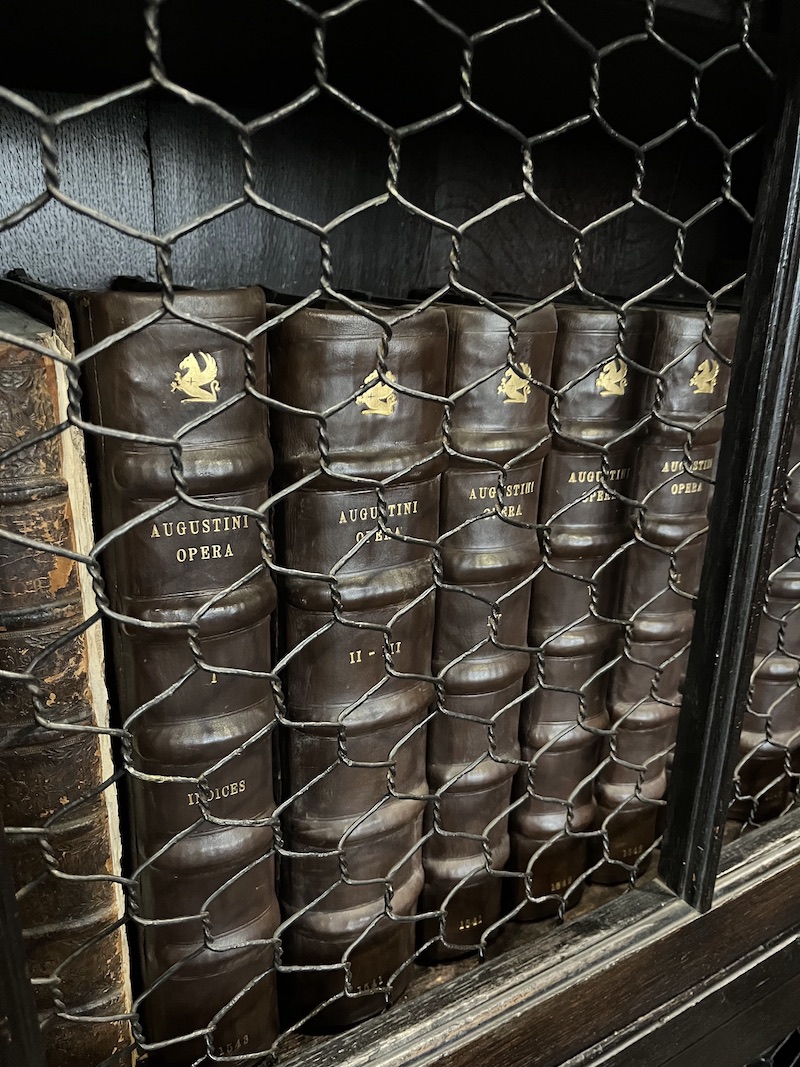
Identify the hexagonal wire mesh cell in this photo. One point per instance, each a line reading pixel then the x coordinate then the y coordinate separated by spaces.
pixel 515 245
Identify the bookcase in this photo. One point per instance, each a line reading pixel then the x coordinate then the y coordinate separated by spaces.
pixel 611 146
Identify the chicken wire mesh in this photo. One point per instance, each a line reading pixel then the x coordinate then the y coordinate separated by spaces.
pixel 485 525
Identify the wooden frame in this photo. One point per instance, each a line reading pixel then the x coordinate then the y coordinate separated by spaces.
pixel 644 979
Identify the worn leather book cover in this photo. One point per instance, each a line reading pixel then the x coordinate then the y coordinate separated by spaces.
pixel 599 378
pixel 358 447
pixel 183 462
pixel 498 435
pixel 62 826
pixel 672 484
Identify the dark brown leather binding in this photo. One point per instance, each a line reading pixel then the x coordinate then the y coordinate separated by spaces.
pixel 599 382
pixel 361 453
pixel 50 778
pixel 769 745
pixel 499 371
pixel 672 483
pixel 185 568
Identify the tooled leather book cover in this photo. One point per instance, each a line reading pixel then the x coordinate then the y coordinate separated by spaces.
pixel 50 778
pixel 358 448
pixel 183 465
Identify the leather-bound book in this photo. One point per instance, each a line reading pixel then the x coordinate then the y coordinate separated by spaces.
pixel 183 461
pixel 499 371
pixel 358 447
pixel 769 745
pixel 62 827
pixel 599 380
pixel 672 486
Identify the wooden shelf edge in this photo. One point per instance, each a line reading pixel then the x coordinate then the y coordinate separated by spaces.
pixel 568 991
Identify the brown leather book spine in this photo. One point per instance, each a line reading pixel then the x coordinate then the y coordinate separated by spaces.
pixel 672 484
pixel 769 745
pixel 58 823
pixel 499 371
pixel 185 573
pixel 359 458
pixel 598 381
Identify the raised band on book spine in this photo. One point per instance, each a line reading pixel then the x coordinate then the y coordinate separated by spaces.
pixel 184 565
pixel 357 606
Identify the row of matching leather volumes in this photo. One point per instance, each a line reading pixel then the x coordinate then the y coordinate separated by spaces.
pixel 62 827
pixel 428 783
pixel 480 651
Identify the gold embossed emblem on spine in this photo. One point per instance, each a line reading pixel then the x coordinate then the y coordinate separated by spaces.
pixel 200 385
pixel 704 379
pixel 612 379
pixel 381 399
pixel 516 389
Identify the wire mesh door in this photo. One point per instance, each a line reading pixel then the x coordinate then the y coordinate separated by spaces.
pixel 393 565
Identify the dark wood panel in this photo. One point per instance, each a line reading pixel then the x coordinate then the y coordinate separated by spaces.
pixel 732 1019
pixel 103 164
pixel 316 165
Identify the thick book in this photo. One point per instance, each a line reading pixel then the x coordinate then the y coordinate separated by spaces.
pixel 183 462
pixel 358 447
pixel 769 745
pixel 599 379
pixel 62 824
pixel 498 435
pixel 672 485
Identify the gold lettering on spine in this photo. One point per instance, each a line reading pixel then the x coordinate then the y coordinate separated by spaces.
pixel 362 514
pixel 183 528
pixel 356 656
pixel 491 492
pixel 233 1046
pixel 562 883
pixel 677 466
pixel 598 476
pixel 196 526
pixel 471 923
pixel 378 536
pixel 189 555
pixel 232 789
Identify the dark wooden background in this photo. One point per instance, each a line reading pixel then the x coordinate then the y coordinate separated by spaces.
pixel 155 162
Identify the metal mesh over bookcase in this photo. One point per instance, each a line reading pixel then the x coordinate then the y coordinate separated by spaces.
pixel 601 159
